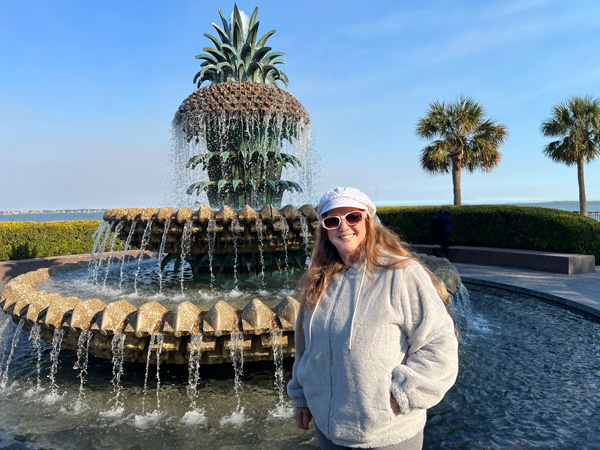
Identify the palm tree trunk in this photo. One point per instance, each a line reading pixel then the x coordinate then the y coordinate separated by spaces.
pixel 456 181
pixel 581 181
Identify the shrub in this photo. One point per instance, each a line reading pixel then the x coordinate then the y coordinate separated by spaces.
pixel 502 226
pixel 25 240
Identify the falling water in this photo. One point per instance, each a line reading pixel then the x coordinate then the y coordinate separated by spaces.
pixel 4 334
pixel 118 352
pixel 194 367
pixel 96 238
pixel 159 345
pixel 83 352
pixel 218 128
pixel 112 248
pixel 259 233
pixel 236 351
pixel 235 235
pixel 145 239
pixel 34 337
pixel 285 232
pixel 151 343
pixel 305 239
pixel 4 379
pixel 155 340
pixel 461 309
pixel 127 243
pixel 277 347
pixel 161 253
pixel 101 235
pixel 57 339
pixel 186 247
pixel 212 237
pixel 195 416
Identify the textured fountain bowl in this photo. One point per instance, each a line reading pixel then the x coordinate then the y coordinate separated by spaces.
pixel 260 325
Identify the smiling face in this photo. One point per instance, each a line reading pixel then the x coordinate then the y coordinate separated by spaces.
pixel 347 239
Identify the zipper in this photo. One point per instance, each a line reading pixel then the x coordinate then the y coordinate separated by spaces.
pixel 329 340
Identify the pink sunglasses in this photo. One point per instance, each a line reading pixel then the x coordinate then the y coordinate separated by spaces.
pixel 352 218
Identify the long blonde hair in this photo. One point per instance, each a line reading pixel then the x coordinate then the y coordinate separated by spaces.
pixel 378 249
pixel 382 248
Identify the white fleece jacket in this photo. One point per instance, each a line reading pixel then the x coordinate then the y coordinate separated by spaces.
pixel 366 340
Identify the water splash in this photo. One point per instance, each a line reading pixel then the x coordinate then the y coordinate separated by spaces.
pixel 15 341
pixel 161 253
pixel 126 248
pixel 57 339
pixel 144 243
pixel 194 418
pixel 34 337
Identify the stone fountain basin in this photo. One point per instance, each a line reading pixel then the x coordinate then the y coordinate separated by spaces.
pixel 260 326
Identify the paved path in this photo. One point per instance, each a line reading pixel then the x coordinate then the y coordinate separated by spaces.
pixel 578 291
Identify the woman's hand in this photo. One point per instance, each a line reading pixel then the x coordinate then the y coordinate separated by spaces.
pixel 394 404
pixel 303 417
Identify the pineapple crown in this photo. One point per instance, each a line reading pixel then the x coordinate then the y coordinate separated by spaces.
pixel 237 55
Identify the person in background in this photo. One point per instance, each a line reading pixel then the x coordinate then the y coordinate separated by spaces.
pixel 375 345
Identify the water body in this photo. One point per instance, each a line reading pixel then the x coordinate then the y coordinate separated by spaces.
pixel 528 379
pixel 51 216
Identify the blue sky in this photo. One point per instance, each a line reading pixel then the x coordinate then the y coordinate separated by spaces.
pixel 88 91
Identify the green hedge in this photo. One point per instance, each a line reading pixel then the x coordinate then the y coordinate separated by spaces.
pixel 518 227
pixel 25 240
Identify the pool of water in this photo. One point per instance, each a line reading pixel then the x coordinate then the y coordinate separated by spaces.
pixel 140 281
pixel 529 378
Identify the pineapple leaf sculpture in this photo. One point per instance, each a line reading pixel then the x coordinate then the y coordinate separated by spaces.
pixel 242 119
pixel 237 56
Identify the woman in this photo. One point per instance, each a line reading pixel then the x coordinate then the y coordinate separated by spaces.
pixel 375 346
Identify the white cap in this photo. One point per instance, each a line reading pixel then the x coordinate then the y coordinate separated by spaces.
pixel 341 197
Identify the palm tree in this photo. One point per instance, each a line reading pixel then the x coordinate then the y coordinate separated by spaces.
pixel 464 140
pixel 577 123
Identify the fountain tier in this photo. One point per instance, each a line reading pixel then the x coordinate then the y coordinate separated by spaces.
pixel 285 229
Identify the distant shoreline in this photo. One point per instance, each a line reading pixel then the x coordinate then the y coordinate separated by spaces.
pixel 51 211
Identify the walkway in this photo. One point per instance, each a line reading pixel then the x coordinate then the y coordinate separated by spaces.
pixel 578 291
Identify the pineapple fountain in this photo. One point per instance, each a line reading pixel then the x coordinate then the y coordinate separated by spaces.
pixel 242 131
